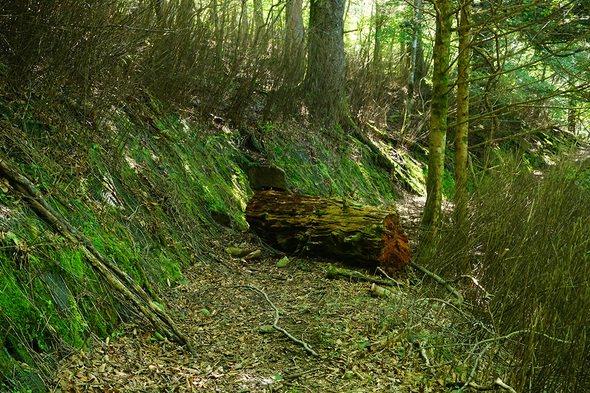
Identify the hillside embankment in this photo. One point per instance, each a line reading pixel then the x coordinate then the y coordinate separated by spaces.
pixel 154 194
pixel 162 197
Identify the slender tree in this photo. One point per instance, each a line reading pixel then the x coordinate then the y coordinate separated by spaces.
pixel 416 64
pixel 438 122
pixel 462 128
pixel 294 37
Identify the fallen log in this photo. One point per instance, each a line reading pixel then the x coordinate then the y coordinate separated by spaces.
pixel 332 228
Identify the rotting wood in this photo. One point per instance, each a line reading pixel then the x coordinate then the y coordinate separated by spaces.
pixel 332 228
pixel 116 278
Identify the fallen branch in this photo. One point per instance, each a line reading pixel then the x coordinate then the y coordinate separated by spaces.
pixel 399 284
pixel 474 368
pixel 276 320
pixel 501 384
pixel 509 335
pixel 338 272
pixel 117 278
pixel 459 298
pixel 378 291
pixel 497 383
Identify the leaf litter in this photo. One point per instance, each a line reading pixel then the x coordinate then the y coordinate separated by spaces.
pixel 365 343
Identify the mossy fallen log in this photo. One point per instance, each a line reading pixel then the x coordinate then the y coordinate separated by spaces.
pixel 358 235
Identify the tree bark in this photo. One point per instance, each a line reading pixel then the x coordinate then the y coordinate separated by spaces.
pixel 326 68
pixel 331 228
pixel 294 36
pixel 462 129
pixel 416 65
pixel 438 121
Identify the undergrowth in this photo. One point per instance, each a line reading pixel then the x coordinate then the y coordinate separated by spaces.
pixel 529 249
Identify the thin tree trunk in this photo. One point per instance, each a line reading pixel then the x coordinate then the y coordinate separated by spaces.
pixel 572 115
pixel 218 34
pixel 258 18
pixel 414 72
pixel 294 36
pixel 417 29
pixel 380 19
pixel 438 121
pixel 462 129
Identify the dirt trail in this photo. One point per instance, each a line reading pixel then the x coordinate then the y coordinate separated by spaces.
pixel 228 323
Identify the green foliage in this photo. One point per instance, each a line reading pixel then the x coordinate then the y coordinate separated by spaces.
pixel 328 164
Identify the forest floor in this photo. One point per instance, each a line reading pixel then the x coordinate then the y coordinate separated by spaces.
pixel 364 343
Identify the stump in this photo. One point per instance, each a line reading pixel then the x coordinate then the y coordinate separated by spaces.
pixel 332 228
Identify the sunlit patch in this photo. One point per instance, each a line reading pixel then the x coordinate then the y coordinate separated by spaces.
pixel 132 163
pixel 7 214
pixel 255 379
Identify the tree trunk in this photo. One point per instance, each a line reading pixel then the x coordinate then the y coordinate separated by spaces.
pixel 294 36
pixel 258 18
pixel 438 121
pixel 462 130
pixel 416 65
pixel 326 69
pixel 380 19
pixel 417 54
pixel 331 228
pixel 572 115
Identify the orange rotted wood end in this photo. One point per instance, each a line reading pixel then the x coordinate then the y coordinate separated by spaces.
pixel 396 252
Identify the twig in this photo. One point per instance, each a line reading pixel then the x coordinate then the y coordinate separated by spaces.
pixel 475 281
pixel 441 281
pixel 337 272
pixel 297 375
pixel 497 383
pixel 500 383
pixel 276 320
pixel 475 364
pixel 423 353
pixel 399 284
pixel 509 335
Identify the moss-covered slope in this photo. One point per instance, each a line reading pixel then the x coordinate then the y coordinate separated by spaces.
pixel 150 191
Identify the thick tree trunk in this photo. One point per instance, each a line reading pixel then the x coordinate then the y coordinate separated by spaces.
pixel 326 68
pixel 332 228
